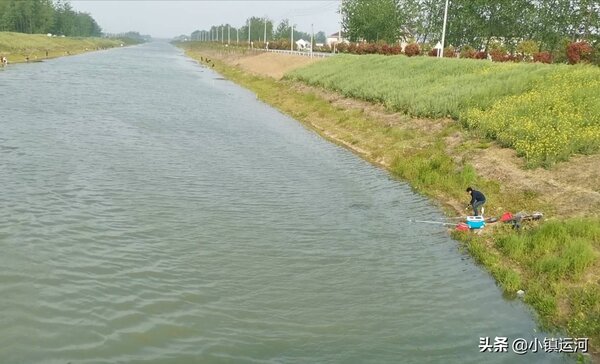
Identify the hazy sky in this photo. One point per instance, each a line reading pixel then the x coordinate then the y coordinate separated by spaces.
pixel 167 18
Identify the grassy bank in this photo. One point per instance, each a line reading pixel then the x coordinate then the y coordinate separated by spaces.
pixel 557 263
pixel 545 112
pixel 16 47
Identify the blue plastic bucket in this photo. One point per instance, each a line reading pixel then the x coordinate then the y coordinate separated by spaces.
pixel 475 222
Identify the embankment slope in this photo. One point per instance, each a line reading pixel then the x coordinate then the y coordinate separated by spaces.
pixel 17 47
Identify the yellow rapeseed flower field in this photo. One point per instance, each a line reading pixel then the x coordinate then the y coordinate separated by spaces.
pixel 559 117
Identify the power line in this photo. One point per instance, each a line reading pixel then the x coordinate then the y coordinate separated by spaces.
pixel 310 11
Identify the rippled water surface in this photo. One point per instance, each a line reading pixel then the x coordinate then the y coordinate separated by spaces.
pixel 151 212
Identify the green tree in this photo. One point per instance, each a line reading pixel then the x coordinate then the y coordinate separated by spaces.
pixel 423 19
pixel 372 20
pixel 257 29
pixel 320 37
pixel 196 35
pixel 43 16
pixel 283 30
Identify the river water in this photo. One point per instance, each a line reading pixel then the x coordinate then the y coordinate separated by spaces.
pixel 151 211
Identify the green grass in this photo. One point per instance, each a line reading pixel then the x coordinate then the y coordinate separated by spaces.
pixel 422 86
pixel 585 312
pixel 572 240
pixel 17 46
pixel 545 112
pixel 555 263
pixel 555 250
pixel 559 260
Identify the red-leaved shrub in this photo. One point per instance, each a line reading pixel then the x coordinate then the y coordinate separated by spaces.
pixel 433 52
pixel 467 52
pixel 395 49
pixel 542 57
pixel 371 48
pixel 412 50
pixel 579 51
pixel 501 56
pixel 449 52
pixel 498 55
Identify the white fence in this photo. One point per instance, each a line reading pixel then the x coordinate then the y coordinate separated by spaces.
pixel 297 53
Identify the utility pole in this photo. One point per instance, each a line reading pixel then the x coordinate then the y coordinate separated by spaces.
pixel 222 34
pixel 238 36
pixel 441 52
pixel 228 34
pixel 292 38
pixel 265 37
pixel 249 25
pixel 312 35
pixel 341 21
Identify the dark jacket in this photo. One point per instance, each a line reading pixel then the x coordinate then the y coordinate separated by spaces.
pixel 476 196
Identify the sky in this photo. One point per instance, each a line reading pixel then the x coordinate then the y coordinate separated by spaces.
pixel 170 18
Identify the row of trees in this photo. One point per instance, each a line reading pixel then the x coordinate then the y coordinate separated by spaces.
pixel 256 27
pixel 477 23
pixel 46 16
pixel 130 37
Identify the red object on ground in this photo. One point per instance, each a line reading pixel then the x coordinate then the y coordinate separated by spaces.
pixel 462 227
pixel 507 216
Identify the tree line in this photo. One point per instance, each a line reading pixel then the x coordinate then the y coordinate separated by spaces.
pixel 46 16
pixel 130 37
pixel 476 23
pixel 254 31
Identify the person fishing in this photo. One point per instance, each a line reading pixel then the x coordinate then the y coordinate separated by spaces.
pixel 477 200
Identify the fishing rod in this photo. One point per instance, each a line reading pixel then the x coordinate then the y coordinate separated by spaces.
pixel 434 222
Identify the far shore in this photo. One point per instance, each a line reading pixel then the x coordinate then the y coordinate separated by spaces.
pixel 30 48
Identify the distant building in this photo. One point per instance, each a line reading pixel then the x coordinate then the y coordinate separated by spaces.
pixel 335 38
pixel 302 45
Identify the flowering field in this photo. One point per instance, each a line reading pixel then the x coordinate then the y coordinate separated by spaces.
pixel 545 112
pixel 558 117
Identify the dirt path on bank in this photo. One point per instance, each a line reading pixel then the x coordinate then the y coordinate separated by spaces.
pixel 273 65
pixel 572 188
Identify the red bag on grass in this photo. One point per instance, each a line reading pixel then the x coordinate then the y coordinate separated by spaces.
pixel 507 216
